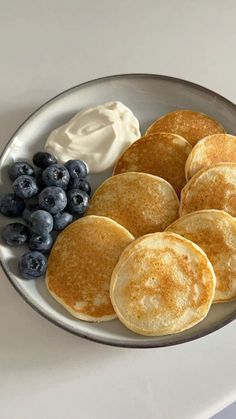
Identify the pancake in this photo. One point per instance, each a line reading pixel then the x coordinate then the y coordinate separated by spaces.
pixel 189 124
pixel 212 188
pixel 81 263
pixel 142 203
pixel 217 148
pixel 172 289
pixel 215 232
pixel 159 154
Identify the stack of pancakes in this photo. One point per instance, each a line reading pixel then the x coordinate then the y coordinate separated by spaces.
pixel 131 256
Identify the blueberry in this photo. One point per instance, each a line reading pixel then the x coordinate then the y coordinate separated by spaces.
pixel 39 179
pixel 56 175
pixel 78 201
pixel 76 168
pixel 25 187
pixel 81 184
pixel 52 199
pixel 61 220
pixel 32 265
pixel 15 234
pixel 28 211
pixel 20 168
pixel 42 243
pixel 41 222
pixel 11 205
pixel 43 159
pixel 26 214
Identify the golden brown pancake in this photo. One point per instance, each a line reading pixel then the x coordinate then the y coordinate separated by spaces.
pixel 81 263
pixel 215 232
pixel 162 284
pixel 142 203
pixel 217 148
pixel 212 188
pixel 189 124
pixel 159 154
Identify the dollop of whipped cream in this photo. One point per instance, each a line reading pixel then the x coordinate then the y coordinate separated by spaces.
pixel 96 135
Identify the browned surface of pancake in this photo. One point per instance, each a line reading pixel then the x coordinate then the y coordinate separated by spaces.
pixel 217 148
pixel 160 154
pixel 212 188
pixel 140 202
pixel 81 263
pixel 189 124
pixel 162 284
pixel 215 232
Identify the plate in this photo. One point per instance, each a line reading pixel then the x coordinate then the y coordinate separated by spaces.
pixel 148 96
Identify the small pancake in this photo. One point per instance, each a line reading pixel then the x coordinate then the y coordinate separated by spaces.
pixel 159 154
pixel 191 125
pixel 142 203
pixel 172 289
pixel 215 232
pixel 81 263
pixel 217 148
pixel 212 188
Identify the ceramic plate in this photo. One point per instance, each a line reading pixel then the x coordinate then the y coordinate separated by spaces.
pixel 148 96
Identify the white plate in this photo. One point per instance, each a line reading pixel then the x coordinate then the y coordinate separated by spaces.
pixel 148 96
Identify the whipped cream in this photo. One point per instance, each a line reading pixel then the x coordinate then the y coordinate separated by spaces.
pixel 96 135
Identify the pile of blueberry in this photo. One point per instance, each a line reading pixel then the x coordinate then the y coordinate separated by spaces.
pixel 47 198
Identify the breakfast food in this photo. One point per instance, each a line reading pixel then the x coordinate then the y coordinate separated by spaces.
pixel 81 184
pixel 52 199
pixel 19 169
pixel 160 154
pixel 15 234
pixel 212 188
pixel 32 265
pixel 81 263
pixel 97 135
pixel 77 169
pixel 171 290
pixel 164 281
pixel 215 232
pixel 140 202
pixel 189 124
pixel 41 196
pixel 61 220
pixel 77 201
pixel 41 221
pixel 56 175
pixel 25 187
pixel 11 205
pixel 41 242
pixel 43 159
pixel 217 148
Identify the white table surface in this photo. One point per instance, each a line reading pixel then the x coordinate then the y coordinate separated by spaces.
pixel 47 46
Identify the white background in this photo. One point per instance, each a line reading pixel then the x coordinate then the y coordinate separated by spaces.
pixel 47 46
